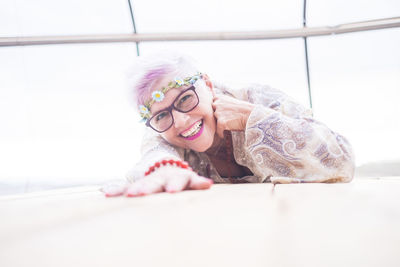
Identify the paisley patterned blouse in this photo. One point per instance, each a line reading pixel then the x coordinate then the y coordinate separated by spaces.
pixel 282 143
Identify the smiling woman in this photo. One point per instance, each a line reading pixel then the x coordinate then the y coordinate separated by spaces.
pixel 200 132
pixel 189 122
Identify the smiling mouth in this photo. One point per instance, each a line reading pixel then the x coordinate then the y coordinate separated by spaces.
pixel 193 131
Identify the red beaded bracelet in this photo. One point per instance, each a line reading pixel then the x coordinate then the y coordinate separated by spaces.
pixel 158 164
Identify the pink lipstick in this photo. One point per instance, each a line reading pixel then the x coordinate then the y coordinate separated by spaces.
pixel 190 138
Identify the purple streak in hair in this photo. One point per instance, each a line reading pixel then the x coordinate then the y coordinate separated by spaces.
pixel 144 85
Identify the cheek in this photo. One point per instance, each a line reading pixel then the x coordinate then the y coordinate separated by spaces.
pixel 210 120
pixel 169 137
pixel 206 110
pixel 205 106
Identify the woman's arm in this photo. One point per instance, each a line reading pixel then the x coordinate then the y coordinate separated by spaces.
pixel 166 178
pixel 153 148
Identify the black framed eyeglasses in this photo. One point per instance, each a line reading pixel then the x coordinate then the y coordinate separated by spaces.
pixel 185 102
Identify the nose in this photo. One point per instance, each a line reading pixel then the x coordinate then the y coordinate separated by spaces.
pixel 180 119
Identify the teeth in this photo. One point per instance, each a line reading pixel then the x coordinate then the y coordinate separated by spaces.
pixel 193 130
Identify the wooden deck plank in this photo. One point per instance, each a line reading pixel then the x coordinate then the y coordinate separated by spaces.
pixel 190 227
pixel 233 225
pixel 354 224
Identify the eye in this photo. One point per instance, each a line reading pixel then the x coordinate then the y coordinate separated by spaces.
pixel 161 115
pixel 183 99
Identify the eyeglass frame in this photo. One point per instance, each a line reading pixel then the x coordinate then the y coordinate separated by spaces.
pixel 172 107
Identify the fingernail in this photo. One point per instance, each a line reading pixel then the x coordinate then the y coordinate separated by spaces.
pixel 211 181
pixel 113 194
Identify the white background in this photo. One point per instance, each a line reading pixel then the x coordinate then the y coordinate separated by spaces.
pixel 64 109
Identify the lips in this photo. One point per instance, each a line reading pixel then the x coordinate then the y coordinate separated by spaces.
pixel 195 132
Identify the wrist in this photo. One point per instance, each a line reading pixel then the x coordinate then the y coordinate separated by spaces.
pixel 247 109
pixel 171 162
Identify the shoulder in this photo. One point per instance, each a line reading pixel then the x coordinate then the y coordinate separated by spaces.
pixel 243 91
pixel 266 96
pixel 254 92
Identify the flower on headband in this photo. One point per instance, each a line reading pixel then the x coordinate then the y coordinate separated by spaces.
pixel 193 79
pixel 143 110
pixel 157 96
pixel 179 81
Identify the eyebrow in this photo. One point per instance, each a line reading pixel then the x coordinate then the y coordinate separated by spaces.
pixel 178 95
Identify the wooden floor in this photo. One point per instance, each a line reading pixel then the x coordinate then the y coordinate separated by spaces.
pixel 355 224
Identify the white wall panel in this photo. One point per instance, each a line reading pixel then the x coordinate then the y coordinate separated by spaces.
pixel 64 112
pixel 356 87
pixel 9 25
pixel 328 12
pixel 58 17
pixel 216 15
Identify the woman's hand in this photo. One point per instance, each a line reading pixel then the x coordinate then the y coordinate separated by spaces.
pixel 165 179
pixel 231 113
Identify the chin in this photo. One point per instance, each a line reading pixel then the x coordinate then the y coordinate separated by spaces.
pixel 206 146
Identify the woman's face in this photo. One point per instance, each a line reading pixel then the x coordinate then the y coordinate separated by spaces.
pixel 195 129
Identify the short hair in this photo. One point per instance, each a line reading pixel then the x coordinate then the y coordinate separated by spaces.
pixel 148 70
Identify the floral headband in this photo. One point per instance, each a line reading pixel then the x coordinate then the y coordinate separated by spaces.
pixel 158 96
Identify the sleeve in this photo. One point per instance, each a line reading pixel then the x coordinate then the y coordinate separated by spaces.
pixel 283 140
pixel 153 148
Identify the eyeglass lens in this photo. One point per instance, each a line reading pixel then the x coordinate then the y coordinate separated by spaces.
pixel 184 103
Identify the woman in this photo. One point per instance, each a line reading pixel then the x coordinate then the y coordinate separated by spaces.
pixel 199 132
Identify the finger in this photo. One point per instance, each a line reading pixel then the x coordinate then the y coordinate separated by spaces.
pixel 214 104
pixel 213 93
pixel 200 182
pixel 220 130
pixel 177 183
pixel 134 190
pixel 152 186
pixel 113 190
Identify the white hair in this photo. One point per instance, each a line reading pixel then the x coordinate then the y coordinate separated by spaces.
pixel 148 70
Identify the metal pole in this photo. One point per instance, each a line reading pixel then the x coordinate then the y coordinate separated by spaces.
pixel 134 26
pixel 306 54
pixel 203 36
